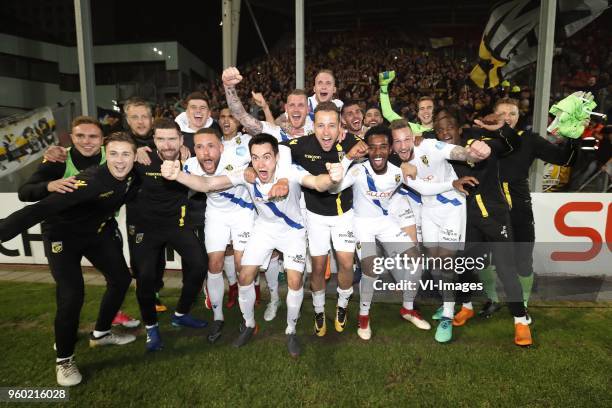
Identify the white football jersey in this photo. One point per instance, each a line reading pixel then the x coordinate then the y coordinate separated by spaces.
pixel 228 200
pixel 285 212
pixel 371 192
pixel 239 146
pixel 430 158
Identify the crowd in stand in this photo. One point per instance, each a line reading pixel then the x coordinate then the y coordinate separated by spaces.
pixel 421 70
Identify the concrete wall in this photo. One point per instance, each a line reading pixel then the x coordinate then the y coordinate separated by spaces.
pixel 18 94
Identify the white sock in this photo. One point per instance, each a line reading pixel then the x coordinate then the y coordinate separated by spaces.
pixel 366 293
pixel 468 305
pixel 343 296
pixel 408 305
pixel 294 303
pixel 521 320
pixel 272 278
pixel 152 326
pixel 318 301
pixel 230 269
pixel 98 334
pixel 448 310
pixel 412 280
pixel 246 299
pixel 177 314
pixel 216 287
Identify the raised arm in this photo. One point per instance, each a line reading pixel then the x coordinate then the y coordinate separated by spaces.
pixel 563 154
pixel 171 170
pixel 260 101
pixel 231 77
pixel 384 79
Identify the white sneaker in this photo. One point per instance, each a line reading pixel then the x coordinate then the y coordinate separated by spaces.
pixel 111 338
pixel 67 373
pixel 414 317
pixel 271 309
pixel 365 333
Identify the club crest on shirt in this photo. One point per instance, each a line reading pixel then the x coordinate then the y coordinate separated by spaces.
pixel 397 178
pixel 238 141
pixel 229 167
pixel 139 237
pixel 57 247
pixel 425 160
pixel 131 229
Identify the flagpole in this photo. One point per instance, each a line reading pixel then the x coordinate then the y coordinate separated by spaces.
pixel 546 44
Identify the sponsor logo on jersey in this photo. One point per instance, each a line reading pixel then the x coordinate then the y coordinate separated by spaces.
pixel 299 258
pixel 379 194
pixel 57 247
pixel 241 151
pixel 107 194
pixel 312 157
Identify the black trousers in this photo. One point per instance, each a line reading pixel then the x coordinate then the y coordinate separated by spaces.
pixel 523 228
pixel 493 234
pixel 161 260
pixel 147 242
pixel 105 252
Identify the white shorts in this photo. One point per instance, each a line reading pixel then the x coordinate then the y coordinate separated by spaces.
pixel 221 228
pixel 383 229
pixel 324 229
pixel 266 237
pixel 444 226
pixel 400 210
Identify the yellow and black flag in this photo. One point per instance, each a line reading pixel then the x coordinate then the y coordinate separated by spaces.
pixel 511 22
pixel 509 42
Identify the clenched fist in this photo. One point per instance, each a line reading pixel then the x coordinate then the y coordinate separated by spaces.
pixel 170 169
pixel 336 172
pixel 279 190
pixel 358 151
pixel 231 76
pixel 408 171
pixel 478 151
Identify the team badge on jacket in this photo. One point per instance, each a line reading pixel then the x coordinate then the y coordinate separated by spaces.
pixel 57 247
